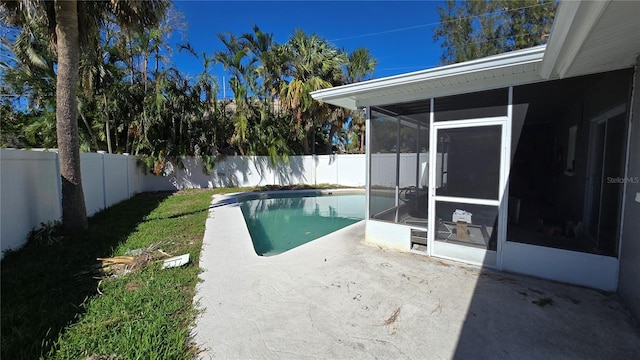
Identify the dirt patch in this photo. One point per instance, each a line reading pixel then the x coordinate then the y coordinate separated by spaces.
pixel 133 285
pixel 192 191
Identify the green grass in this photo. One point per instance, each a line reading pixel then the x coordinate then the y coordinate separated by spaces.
pixel 53 308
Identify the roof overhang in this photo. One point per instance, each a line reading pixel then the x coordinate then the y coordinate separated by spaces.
pixel 592 36
pixel 491 72
pixel 588 37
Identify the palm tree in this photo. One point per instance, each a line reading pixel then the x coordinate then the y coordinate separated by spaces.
pixel 360 66
pixel 206 83
pixel 205 110
pixel 27 64
pixel 235 59
pixel 315 65
pixel 270 130
pixel 70 24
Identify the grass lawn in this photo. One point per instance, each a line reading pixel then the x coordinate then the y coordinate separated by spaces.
pixel 52 307
pixel 55 307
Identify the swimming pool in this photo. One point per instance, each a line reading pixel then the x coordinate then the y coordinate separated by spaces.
pixel 281 222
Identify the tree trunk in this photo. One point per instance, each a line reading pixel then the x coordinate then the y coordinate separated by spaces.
pixel 329 146
pixel 74 213
pixel 107 130
pixel 94 141
pixel 305 144
pixel 313 142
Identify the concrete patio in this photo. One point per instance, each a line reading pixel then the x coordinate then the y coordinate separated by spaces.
pixel 338 297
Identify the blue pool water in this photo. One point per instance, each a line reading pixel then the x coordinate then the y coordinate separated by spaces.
pixel 281 223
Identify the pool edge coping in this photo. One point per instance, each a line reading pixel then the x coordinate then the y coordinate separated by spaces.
pixel 233 199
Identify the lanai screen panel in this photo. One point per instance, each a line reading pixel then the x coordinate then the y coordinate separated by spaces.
pixel 383 165
pixel 399 162
pixel 568 169
pixel 482 104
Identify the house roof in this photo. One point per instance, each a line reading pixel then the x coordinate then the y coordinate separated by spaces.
pixel 514 67
pixel 593 36
pixel 587 37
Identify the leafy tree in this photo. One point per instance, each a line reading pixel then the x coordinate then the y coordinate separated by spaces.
pixel 129 99
pixel 258 67
pixel 235 59
pixel 13 121
pixel 70 25
pixel 270 128
pixel 472 29
pixel 208 127
pixel 360 65
pixel 315 65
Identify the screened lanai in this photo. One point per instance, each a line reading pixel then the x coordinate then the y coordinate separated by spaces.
pixel 494 175
pixel 522 161
pixel 555 143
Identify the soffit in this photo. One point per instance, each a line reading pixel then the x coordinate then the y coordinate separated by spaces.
pixel 613 42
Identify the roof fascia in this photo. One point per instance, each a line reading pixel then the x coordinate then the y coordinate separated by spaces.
pixel 573 25
pixel 462 88
pixel 512 58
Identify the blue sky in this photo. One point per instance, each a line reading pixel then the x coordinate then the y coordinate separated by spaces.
pixel 398 33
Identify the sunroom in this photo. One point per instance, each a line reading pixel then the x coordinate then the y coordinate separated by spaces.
pixel 517 161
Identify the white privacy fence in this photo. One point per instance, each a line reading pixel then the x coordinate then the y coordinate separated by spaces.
pixel 346 170
pixel 412 167
pixel 30 186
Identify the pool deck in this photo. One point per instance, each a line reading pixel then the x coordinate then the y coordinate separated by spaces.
pixel 339 297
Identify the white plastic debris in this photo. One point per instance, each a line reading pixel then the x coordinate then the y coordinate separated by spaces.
pixel 175 261
pixel 461 215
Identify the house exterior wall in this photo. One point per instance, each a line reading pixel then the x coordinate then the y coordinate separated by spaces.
pixel 599 95
pixel 553 108
pixel 629 274
pixel 390 235
pixel 567 103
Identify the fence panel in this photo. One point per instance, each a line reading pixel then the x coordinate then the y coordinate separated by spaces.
pixel 30 181
pixel 115 179
pixel 326 169
pixel 29 194
pixel 92 170
pixel 299 170
pixel 351 169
